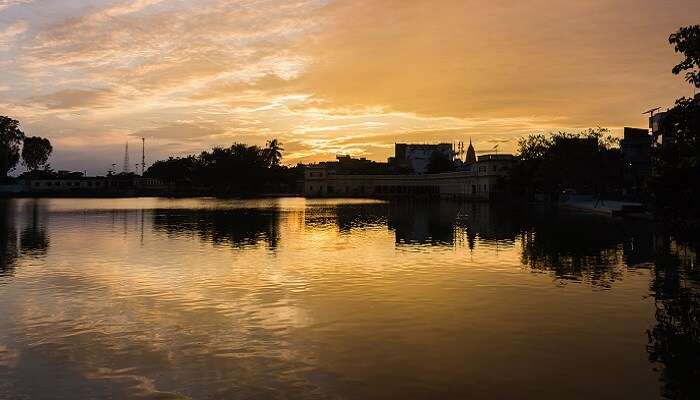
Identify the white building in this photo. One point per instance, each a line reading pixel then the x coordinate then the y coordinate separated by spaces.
pixel 482 180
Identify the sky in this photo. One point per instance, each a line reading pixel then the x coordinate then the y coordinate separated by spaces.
pixel 328 77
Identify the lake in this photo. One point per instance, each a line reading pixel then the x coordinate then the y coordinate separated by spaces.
pixel 340 299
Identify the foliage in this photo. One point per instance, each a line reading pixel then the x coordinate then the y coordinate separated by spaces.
pixel 687 42
pixel 36 152
pixel 10 140
pixel 676 182
pixel 173 170
pixel 238 169
pixel 588 162
pixel 273 152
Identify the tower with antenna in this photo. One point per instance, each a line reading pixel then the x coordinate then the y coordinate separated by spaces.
pixel 126 169
pixel 143 155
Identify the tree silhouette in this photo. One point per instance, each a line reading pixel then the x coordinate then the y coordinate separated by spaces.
pixel 235 170
pixel 676 183
pixel 273 152
pixel 440 163
pixel 36 152
pixel 10 140
pixel 687 42
pixel 586 161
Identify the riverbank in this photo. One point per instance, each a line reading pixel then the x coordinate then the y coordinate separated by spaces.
pixel 611 208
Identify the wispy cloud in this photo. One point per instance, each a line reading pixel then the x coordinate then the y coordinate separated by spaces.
pixel 4 4
pixel 8 35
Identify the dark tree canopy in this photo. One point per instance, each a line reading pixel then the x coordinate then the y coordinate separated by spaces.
pixel 440 163
pixel 238 169
pixel 687 42
pixel 587 161
pixel 273 152
pixel 35 152
pixel 676 181
pixel 11 137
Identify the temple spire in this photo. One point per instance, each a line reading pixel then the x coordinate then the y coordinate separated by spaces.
pixel 471 154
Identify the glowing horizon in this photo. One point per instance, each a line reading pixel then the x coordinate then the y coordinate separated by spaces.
pixel 328 77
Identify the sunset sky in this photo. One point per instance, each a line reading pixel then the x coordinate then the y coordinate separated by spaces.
pixel 328 77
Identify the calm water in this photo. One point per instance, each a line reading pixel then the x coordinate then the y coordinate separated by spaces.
pixel 302 299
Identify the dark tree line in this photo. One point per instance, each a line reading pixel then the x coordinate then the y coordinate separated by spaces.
pixel 587 162
pixel 236 170
pixel 35 151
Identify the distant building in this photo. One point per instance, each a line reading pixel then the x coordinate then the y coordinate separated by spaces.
pixel 483 179
pixel 76 184
pixel 636 154
pixel 657 131
pixel 416 157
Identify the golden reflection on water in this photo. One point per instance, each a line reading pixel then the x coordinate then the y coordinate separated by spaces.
pixel 295 298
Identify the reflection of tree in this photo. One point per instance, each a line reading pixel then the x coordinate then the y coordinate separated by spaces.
pixel 232 227
pixel 674 342
pixel 8 240
pixel 34 239
pixel 584 247
pixel 352 216
pixel 492 224
pixel 449 222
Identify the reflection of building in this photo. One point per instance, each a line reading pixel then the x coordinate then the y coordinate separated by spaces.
pixel 482 180
pixel 416 157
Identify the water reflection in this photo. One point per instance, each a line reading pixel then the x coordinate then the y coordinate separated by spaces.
pixel 232 227
pixel 8 239
pixel 450 223
pixel 322 299
pixel 674 342
pixel 595 249
pixel 34 239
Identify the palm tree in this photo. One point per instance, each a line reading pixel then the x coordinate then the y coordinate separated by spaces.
pixel 273 152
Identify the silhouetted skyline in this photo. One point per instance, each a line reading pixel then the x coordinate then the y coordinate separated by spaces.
pixel 328 77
